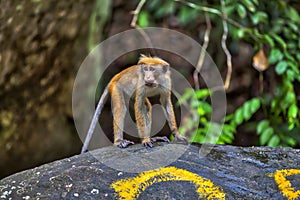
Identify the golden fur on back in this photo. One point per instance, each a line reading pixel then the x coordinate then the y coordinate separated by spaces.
pixel 151 60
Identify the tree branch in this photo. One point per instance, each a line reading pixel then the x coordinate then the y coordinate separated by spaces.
pixel 224 46
pixel 220 14
pixel 136 13
pixel 203 52
pixel 133 24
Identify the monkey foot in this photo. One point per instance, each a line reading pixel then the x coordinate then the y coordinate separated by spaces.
pixel 125 143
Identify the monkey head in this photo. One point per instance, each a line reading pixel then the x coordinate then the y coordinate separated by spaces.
pixel 153 70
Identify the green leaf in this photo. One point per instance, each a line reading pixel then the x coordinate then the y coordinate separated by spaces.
pixel 230 9
pixel 227 133
pixel 203 120
pixel 293 14
pixel 240 33
pixel 229 127
pixel 160 12
pixel 270 40
pixel 259 17
pixel 170 7
pixel 291 75
pixel 184 15
pixel 291 45
pixel 274 141
pixel 293 111
pixel 241 11
pixel 255 2
pixel 202 93
pixel 143 19
pixel 289 98
pixel 207 107
pixel 262 126
pixel 228 118
pixel 201 111
pixel 293 26
pixel 279 40
pixel 275 55
pixel 238 116
pixel 247 110
pixel 290 141
pixel 249 5
pixel 289 57
pixel 154 4
pixel 226 139
pixel 266 135
pixel 281 67
pixel 291 126
pixel 255 105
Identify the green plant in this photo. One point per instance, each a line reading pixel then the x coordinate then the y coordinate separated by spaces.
pixel 272 28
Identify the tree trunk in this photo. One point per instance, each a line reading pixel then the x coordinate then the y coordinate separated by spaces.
pixel 42 45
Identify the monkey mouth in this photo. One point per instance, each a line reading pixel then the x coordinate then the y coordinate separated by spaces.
pixel 150 84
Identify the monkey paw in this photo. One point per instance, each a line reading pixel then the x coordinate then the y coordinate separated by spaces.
pixel 125 143
pixel 180 138
pixel 160 139
pixel 147 144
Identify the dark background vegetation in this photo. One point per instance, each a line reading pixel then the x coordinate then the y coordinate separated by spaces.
pixel 43 43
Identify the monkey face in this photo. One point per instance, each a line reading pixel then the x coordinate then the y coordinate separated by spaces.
pixel 150 75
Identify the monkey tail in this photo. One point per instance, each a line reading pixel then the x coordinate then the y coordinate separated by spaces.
pixel 94 120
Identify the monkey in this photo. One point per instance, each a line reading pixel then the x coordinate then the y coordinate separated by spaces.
pixel 150 77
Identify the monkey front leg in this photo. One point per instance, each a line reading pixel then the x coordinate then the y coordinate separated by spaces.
pixel 170 115
pixel 143 114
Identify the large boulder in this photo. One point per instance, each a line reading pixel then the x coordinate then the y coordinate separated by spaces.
pixel 167 171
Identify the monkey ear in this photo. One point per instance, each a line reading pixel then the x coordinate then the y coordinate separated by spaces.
pixel 142 56
pixel 165 68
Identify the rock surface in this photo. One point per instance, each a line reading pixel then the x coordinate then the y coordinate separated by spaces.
pixel 179 172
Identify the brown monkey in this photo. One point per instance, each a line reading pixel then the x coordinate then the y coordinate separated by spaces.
pixel 150 77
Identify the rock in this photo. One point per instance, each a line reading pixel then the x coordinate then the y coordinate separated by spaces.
pixel 167 171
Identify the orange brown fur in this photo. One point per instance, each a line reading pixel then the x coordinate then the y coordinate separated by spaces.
pixel 152 61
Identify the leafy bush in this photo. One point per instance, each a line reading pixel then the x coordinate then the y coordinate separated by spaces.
pixel 272 28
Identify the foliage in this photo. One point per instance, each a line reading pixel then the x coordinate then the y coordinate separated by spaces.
pixel 269 26
pixel 279 104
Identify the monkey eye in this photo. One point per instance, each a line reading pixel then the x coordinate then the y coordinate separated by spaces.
pixel 151 68
pixel 145 68
pixel 165 68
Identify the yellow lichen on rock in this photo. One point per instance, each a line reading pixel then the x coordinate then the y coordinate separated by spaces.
pixel 285 185
pixel 131 188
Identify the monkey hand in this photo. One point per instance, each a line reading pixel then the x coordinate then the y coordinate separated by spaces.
pixel 160 139
pixel 124 143
pixel 180 138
